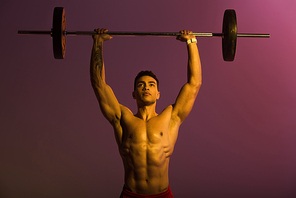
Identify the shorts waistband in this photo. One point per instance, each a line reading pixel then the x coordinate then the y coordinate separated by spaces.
pixel 129 194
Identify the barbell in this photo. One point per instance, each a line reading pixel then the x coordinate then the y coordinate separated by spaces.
pixel 58 34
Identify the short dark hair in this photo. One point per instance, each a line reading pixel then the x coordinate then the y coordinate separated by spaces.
pixel 145 73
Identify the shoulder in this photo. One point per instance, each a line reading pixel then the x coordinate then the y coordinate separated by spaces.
pixel 167 110
pixel 125 111
pixel 170 113
pixel 124 114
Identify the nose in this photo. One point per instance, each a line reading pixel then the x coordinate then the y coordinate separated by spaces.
pixel 146 87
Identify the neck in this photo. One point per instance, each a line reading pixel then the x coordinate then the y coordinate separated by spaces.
pixel 146 112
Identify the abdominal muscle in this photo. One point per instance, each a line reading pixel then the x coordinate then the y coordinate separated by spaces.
pixel 146 168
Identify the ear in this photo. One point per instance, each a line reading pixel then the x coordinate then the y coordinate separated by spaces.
pixel 134 95
pixel 158 95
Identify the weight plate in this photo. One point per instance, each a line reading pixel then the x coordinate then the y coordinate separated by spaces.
pixel 58 32
pixel 229 32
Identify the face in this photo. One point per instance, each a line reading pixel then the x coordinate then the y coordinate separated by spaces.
pixel 146 90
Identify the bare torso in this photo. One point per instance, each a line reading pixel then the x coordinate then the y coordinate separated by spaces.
pixel 145 148
pixel 145 141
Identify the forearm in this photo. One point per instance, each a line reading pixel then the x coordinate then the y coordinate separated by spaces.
pixel 106 98
pixel 194 75
pixel 97 70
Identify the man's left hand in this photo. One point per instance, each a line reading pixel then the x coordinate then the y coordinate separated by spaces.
pixel 185 36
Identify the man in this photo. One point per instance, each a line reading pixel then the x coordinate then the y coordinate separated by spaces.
pixel 145 140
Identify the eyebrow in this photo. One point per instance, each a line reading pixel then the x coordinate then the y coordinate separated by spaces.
pixel 145 82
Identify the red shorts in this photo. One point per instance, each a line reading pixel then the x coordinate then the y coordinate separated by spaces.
pixel 128 194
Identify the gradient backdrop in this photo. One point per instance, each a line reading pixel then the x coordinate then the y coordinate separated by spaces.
pixel 238 141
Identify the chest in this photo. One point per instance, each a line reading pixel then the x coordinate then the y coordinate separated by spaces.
pixel 153 131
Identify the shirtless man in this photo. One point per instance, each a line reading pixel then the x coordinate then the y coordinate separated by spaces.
pixel 145 140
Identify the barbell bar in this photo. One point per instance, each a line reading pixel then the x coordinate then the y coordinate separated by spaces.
pixel 229 34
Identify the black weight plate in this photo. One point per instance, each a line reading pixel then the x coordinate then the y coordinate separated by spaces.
pixel 58 30
pixel 229 32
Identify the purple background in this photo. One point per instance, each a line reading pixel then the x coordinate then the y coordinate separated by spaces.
pixel 238 141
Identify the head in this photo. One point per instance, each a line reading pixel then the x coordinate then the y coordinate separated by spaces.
pixel 146 88
pixel 145 73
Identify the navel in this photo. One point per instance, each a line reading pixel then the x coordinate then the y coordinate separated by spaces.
pixel 131 136
pixel 161 134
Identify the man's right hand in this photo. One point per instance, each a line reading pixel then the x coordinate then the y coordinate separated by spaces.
pixel 101 35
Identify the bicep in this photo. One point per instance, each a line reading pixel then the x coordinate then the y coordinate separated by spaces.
pixel 109 105
pixel 185 101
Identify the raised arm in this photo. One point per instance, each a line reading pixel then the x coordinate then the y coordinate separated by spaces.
pixel 189 91
pixel 106 98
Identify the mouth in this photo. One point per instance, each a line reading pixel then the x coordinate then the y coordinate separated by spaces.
pixel 146 94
